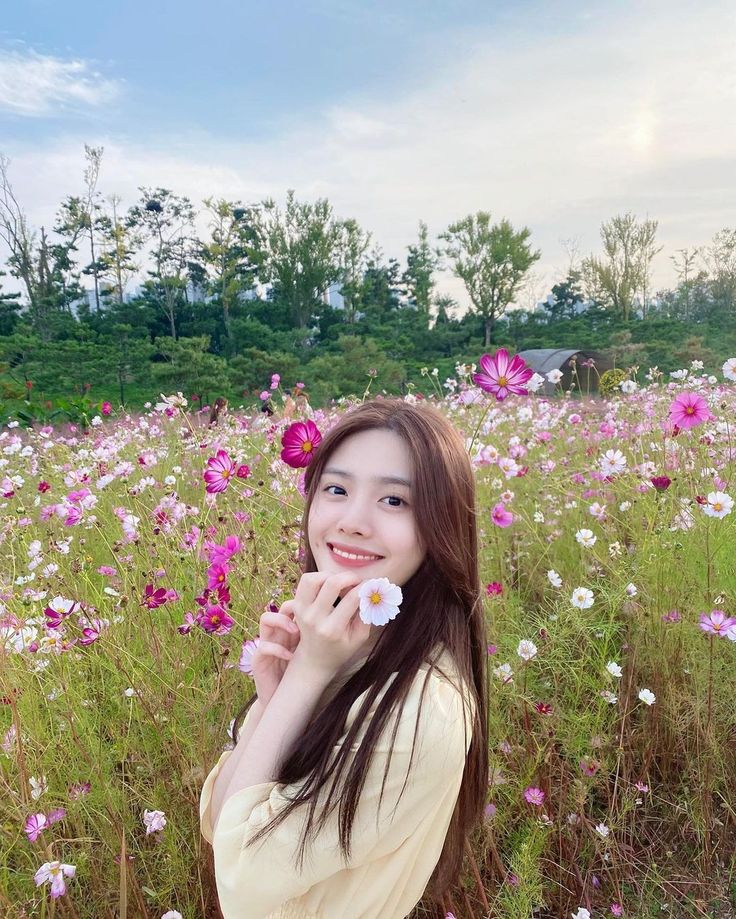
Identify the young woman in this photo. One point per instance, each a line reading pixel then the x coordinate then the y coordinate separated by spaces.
pixel 362 765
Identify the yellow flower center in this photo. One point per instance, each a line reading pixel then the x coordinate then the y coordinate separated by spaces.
pixel 717 506
pixel 502 381
pixel 307 446
pixel 375 598
pixel 689 410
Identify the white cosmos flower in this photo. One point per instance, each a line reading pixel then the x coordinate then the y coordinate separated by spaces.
pixel 526 650
pixel 610 697
pixel 719 504
pixel 614 669
pixel 554 578
pixel 535 382
pixel 586 538
pixel 154 821
pixel 504 673
pixel 631 590
pixel 602 830
pixel 612 462
pixel 582 598
pixel 582 913
pixel 554 376
pixel 729 369
pixel 379 601
pixel 647 696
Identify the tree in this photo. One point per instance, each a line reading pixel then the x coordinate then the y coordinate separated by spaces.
pixel 227 255
pixel 421 263
pixel 351 249
pixel 119 241
pixel 720 259
pixel 625 268
pixel 9 309
pixel 299 253
pixel 166 220
pixel 45 268
pixel 491 260
pixel 566 300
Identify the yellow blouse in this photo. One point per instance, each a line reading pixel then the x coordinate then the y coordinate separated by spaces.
pixel 392 858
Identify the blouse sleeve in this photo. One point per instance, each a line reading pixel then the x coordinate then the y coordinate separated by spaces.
pixel 267 872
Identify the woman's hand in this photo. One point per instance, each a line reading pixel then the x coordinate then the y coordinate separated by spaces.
pixel 279 636
pixel 331 632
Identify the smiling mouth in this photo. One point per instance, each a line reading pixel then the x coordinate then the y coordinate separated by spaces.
pixel 353 556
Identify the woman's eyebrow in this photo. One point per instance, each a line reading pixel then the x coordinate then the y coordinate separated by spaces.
pixel 379 479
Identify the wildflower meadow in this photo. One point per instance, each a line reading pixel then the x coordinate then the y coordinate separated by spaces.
pixel 139 552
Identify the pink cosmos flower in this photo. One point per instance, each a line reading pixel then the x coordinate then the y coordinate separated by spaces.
pixel 216 620
pixel 35 825
pixel 661 482
pixel 219 555
pixel 494 589
pixel 216 576
pixel 716 622
pixel 106 408
pixel 617 909
pixel 535 796
pixel 55 872
pixel 689 410
pixel 299 442
pixel 154 597
pixel 501 376
pixel 245 664
pixel 219 471
pixel 190 620
pixel 501 517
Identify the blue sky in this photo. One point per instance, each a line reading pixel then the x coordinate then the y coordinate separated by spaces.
pixel 556 115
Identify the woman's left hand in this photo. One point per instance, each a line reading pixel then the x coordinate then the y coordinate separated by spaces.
pixel 331 634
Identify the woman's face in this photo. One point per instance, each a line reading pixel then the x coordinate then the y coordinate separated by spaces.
pixel 354 511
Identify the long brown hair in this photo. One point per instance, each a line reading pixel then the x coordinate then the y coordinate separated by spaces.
pixel 441 604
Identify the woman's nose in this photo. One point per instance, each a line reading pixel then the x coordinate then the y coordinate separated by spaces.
pixel 355 518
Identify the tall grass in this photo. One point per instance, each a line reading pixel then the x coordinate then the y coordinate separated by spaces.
pixel 638 801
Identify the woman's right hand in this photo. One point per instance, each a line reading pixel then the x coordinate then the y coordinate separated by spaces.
pixel 279 636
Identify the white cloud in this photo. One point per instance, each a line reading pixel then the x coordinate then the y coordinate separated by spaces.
pixel 557 128
pixel 33 84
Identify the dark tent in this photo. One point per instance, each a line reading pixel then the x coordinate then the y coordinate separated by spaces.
pixel 542 360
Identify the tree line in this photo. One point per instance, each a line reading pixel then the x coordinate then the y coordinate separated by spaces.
pixel 251 293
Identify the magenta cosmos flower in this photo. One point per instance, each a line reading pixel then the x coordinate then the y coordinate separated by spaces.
pixel 501 376
pixel 688 410
pixel 299 441
pixel 220 469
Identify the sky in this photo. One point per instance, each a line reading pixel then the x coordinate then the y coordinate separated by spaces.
pixel 556 115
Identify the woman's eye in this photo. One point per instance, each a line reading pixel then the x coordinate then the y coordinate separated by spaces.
pixel 387 498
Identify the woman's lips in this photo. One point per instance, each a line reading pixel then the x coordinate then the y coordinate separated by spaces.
pixel 352 562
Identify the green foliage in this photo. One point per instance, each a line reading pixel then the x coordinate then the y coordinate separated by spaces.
pixel 189 367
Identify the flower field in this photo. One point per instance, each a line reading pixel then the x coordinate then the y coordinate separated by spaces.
pixel 139 554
